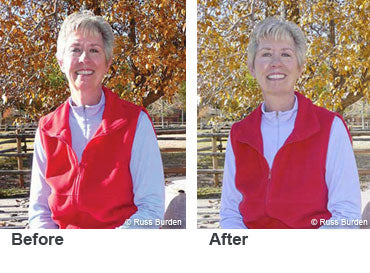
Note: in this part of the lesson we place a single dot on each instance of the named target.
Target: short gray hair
(278, 29)
(89, 24)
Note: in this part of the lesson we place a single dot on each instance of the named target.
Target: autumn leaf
(140, 72)
(337, 70)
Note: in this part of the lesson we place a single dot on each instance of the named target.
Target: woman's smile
(276, 76)
(85, 72)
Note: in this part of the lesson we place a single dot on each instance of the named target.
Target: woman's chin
(279, 91)
(85, 86)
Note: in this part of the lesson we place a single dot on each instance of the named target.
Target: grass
(14, 192)
(173, 160)
(205, 187)
(208, 192)
(9, 187)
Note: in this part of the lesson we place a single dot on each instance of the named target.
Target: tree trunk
(349, 100)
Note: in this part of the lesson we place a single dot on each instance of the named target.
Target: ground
(209, 217)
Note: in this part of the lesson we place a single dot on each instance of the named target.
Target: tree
(336, 73)
(163, 108)
(149, 55)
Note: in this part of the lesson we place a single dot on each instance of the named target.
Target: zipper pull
(269, 177)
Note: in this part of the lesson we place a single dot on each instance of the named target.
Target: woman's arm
(147, 177)
(342, 178)
(39, 214)
(231, 197)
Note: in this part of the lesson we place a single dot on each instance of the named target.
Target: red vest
(294, 190)
(97, 192)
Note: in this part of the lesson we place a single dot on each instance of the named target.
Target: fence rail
(19, 135)
(215, 151)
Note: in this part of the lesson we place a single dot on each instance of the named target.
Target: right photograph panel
(283, 115)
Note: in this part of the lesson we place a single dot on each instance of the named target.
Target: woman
(289, 164)
(96, 163)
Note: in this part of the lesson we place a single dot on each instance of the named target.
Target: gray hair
(279, 30)
(89, 24)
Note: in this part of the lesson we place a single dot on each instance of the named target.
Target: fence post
(19, 158)
(214, 157)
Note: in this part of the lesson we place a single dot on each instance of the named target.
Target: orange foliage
(149, 55)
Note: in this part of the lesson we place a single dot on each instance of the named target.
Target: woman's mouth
(84, 72)
(276, 76)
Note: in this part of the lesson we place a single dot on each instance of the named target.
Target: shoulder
(51, 116)
(339, 129)
(326, 118)
(251, 120)
(334, 117)
(312, 112)
(144, 125)
(323, 111)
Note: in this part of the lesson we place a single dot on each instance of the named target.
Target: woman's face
(276, 66)
(84, 62)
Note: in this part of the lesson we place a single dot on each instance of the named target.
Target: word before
(227, 239)
(18, 239)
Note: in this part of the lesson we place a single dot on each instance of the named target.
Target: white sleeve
(230, 216)
(342, 179)
(39, 214)
(147, 177)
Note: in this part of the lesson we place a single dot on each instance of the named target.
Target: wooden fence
(215, 150)
(21, 135)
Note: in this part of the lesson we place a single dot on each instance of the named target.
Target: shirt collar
(87, 110)
(283, 115)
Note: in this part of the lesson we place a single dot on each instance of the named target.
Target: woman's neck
(82, 98)
(279, 102)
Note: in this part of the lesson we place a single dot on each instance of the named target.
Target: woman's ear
(60, 62)
(109, 65)
(251, 69)
(302, 68)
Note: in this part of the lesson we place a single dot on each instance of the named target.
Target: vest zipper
(76, 185)
(272, 166)
(278, 133)
(268, 190)
(85, 125)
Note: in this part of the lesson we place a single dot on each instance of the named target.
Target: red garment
(294, 191)
(97, 192)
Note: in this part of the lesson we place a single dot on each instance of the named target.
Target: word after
(227, 239)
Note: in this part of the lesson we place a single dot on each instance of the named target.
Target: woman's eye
(75, 49)
(94, 50)
(266, 54)
(285, 55)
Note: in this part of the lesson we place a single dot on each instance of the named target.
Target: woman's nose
(83, 57)
(275, 61)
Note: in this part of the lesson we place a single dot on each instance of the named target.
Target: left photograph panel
(92, 115)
